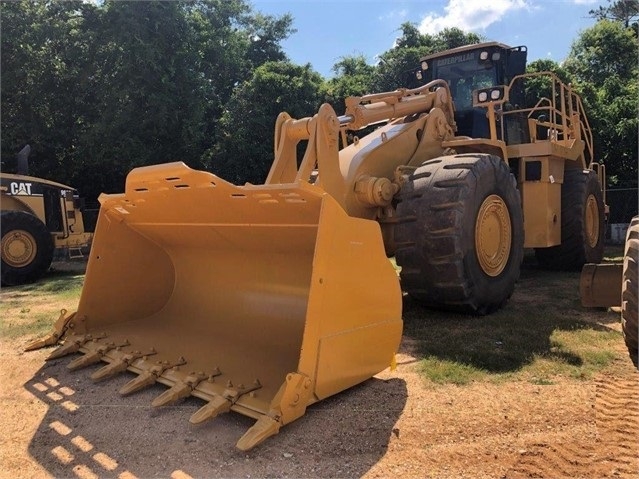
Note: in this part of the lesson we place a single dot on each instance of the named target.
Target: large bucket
(258, 299)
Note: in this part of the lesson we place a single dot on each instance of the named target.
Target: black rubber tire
(435, 236)
(575, 249)
(629, 291)
(14, 221)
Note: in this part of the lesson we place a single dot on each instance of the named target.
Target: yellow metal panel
(353, 324)
(541, 202)
(542, 214)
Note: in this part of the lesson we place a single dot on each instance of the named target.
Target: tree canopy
(98, 89)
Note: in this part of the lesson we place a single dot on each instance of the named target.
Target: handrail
(567, 119)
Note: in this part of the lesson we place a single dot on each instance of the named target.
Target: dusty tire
(27, 248)
(460, 236)
(582, 224)
(629, 290)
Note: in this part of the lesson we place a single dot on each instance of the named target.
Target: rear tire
(629, 290)
(582, 224)
(460, 235)
(27, 248)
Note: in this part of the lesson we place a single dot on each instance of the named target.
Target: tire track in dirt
(614, 452)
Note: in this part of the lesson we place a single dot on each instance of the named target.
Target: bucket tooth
(264, 428)
(119, 365)
(148, 378)
(60, 329)
(49, 340)
(71, 345)
(68, 347)
(223, 403)
(144, 380)
(94, 356)
(180, 389)
(215, 407)
(110, 369)
(86, 360)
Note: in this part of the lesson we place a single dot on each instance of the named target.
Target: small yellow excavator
(264, 299)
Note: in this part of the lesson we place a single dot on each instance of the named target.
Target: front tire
(27, 248)
(629, 291)
(582, 224)
(460, 235)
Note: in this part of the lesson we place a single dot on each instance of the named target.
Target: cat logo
(20, 189)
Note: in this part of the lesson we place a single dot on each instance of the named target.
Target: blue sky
(330, 29)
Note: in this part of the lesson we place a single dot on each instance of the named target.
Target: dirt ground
(57, 423)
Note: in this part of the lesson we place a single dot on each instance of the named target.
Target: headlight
(483, 56)
(489, 95)
(496, 56)
(418, 74)
(424, 66)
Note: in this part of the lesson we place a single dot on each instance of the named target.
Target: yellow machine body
(24, 193)
(250, 298)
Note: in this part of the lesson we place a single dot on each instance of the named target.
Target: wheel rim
(19, 248)
(493, 235)
(592, 221)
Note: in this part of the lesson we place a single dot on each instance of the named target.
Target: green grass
(31, 310)
(542, 333)
(36, 325)
(63, 286)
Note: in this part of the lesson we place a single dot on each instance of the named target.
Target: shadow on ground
(91, 431)
(544, 302)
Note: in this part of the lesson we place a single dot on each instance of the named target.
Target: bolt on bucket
(257, 299)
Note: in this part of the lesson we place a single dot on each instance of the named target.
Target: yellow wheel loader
(39, 220)
(264, 299)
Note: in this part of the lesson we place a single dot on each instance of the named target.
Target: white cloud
(394, 15)
(584, 2)
(469, 15)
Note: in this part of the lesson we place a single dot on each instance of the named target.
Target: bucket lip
(162, 177)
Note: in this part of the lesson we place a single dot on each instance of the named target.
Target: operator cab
(473, 67)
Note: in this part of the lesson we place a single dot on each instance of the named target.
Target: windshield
(463, 78)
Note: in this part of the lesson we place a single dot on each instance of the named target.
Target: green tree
(541, 87)
(46, 74)
(603, 62)
(245, 148)
(396, 66)
(148, 106)
(604, 50)
(231, 41)
(353, 77)
(624, 11)
(99, 89)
